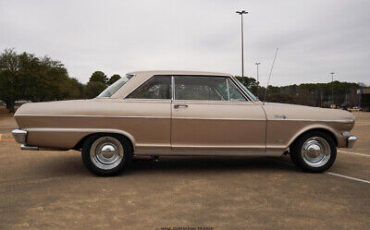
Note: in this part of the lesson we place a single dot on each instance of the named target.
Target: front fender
(339, 138)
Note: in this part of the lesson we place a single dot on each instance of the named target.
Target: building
(364, 98)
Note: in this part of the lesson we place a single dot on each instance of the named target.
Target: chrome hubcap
(316, 151)
(106, 152)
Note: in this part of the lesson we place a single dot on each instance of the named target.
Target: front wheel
(314, 152)
(106, 154)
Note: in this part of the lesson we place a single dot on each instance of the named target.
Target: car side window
(200, 88)
(234, 92)
(157, 87)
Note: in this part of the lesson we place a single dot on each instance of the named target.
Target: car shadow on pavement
(71, 165)
(213, 164)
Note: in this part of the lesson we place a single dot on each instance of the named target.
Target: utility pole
(332, 87)
(242, 38)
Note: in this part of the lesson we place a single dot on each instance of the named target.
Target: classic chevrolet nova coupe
(169, 113)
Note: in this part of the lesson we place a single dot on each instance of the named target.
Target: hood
(278, 111)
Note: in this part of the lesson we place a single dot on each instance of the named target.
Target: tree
(249, 82)
(281, 97)
(99, 76)
(113, 79)
(10, 81)
(27, 77)
(94, 88)
(97, 83)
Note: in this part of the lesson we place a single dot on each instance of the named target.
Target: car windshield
(254, 98)
(112, 89)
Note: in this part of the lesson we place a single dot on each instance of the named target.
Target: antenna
(272, 67)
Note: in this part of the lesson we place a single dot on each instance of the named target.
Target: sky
(314, 37)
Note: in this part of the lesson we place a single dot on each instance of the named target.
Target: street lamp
(332, 87)
(257, 64)
(241, 19)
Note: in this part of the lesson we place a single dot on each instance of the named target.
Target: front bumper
(351, 140)
(20, 135)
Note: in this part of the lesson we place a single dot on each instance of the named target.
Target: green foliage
(94, 88)
(97, 83)
(99, 76)
(24, 76)
(113, 79)
(314, 94)
(281, 97)
(249, 82)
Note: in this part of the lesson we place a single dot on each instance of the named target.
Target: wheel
(106, 154)
(314, 152)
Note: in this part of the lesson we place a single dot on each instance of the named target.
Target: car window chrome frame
(242, 90)
(247, 98)
(173, 88)
(150, 99)
(173, 93)
(228, 89)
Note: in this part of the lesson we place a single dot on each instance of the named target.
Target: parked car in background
(173, 113)
(355, 109)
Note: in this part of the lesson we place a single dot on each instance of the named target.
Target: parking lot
(53, 190)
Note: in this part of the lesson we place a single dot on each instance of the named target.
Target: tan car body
(155, 127)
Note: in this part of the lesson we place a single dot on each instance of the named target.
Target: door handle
(180, 105)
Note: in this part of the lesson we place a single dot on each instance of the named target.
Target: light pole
(241, 19)
(257, 64)
(332, 87)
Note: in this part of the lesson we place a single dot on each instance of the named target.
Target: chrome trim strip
(153, 146)
(98, 116)
(141, 117)
(36, 148)
(228, 89)
(222, 147)
(207, 152)
(218, 118)
(312, 120)
(146, 99)
(172, 88)
(82, 130)
(215, 102)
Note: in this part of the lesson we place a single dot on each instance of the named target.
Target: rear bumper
(351, 140)
(20, 135)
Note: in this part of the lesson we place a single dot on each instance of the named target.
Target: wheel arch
(324, 129)
(129, 137)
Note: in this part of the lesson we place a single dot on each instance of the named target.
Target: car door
(211, 113)
(148, 110)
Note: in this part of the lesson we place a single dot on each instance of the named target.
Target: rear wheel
(106, 154)
(314, 152)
